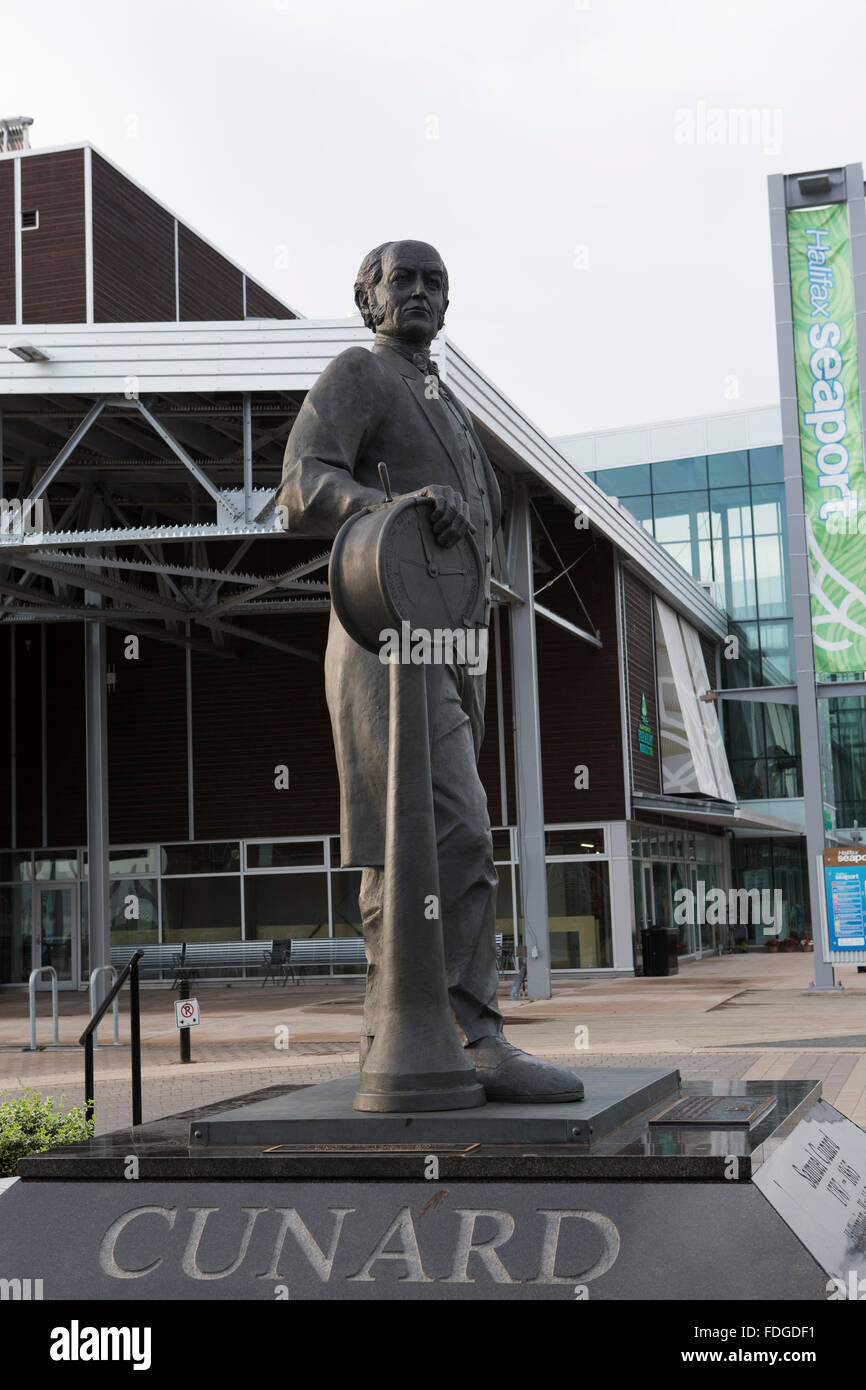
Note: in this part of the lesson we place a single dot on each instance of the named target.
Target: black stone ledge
(631, 1153)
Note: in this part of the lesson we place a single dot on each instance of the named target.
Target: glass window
(662, 895)
(16, 934)
(281, 906)
(771, 567)
(624, 482)
(574, 841)
(285, 855)
(16, 866)
(133, 861)
(501, 846)
(345, 888)
(729, 470)
(678, 475)
(579, 916)
(207, 909)
(216, 858)
(745, 729)
(641, 509)
(53, 864)
(505, 916)
(777, 650)
(767, 465)
(749, 778)
(745, 667)
(682, 526)
(134, 907)
(734, 550)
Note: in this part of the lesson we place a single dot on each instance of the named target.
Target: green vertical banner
(831, 435)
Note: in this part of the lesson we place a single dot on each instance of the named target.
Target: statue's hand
(451, 517)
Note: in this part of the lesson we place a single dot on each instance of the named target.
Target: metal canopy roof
(124, 429)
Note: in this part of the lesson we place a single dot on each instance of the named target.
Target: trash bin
(659, 945)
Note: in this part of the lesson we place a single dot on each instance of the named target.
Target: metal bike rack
(93, 978)
(34, 976)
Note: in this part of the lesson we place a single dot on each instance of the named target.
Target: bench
(161, 958)
(196, 956)
(311, 952)
(187, 960)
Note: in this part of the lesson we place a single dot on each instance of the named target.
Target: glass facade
(272, 890)
(666, 859)
(722, 518)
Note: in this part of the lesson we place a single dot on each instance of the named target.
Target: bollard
(183, 993)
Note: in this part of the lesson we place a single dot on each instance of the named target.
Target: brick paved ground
(733, 1017)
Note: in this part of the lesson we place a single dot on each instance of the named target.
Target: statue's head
(402, 289)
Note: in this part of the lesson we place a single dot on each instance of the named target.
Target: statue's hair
(369, 275)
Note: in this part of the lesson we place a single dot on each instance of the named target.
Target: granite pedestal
(290, 1194)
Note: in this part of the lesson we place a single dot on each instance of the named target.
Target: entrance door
(55, 932)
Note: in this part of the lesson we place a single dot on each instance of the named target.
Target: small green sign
(645, 736)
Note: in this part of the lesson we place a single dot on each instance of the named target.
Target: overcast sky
(602, 213)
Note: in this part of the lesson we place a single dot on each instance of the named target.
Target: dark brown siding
(5, 766)
(133, 251)
(29, 736)
(267, 709)
(641, 678)
(67, 757)
(52, 257)
(261, 305)
(210, 287)
(579, 692)
(7, 241)
(147, 792)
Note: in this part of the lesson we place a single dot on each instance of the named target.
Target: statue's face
(411, 292)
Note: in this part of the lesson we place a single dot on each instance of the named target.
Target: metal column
(527, 753)
(804, 656)
(248, 455)
(98, 910)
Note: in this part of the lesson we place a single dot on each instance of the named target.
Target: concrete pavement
(744, 1016)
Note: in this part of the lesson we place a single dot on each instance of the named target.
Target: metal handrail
(86, 1039)
(34, 976)
(97, 971)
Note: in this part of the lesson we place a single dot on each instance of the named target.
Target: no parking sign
(186, 1013)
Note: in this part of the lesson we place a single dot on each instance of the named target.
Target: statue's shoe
(508, 1074)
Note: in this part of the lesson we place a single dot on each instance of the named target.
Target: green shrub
(29, 1124)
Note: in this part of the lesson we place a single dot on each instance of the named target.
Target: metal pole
(527, 754)
(798, 557)
(55, 1010)
(135, 1037)
(34, 975)
(190, 747)
(500, 722)
(13, 738)
(43, 711)
(183, 993)
(94, 1002)
(97, 797)
(248, 455)
(88, 1076)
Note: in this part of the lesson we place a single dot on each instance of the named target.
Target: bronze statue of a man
(388, 405)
